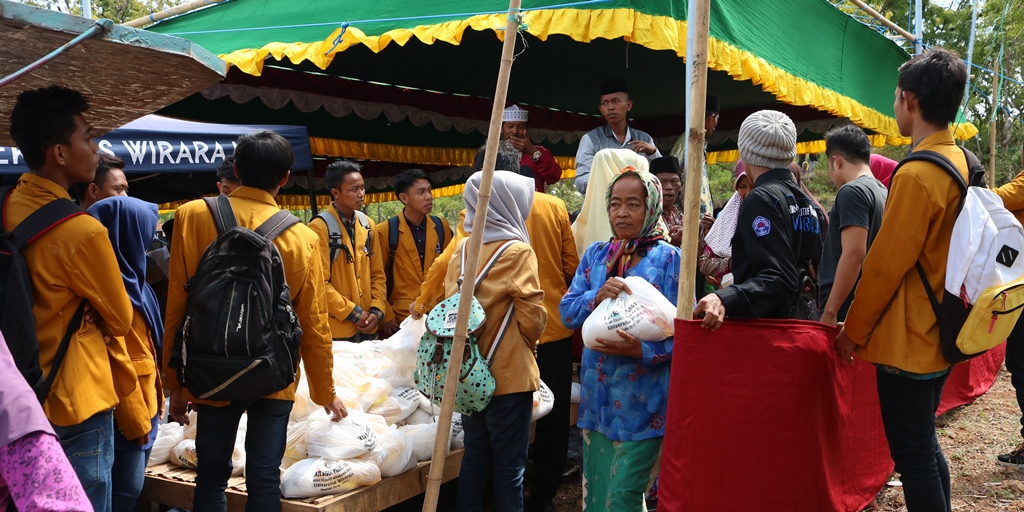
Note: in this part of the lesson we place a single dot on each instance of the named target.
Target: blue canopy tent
(170, 159)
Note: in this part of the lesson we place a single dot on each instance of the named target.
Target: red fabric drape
(971, 379)
(762, 416)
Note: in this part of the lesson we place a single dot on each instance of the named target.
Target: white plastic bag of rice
(345, 439)
(168, 436)
(319, 477)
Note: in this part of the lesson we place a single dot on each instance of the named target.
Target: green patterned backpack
(476, 385)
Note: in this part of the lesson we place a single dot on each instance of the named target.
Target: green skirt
(616, 474)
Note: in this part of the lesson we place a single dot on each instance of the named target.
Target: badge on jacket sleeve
(762, 226)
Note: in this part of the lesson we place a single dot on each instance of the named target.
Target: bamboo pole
(885, 21)
(992, 131)
(472, 249)
(694, 161)
(149, 19)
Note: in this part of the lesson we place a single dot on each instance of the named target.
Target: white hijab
(511, 199)
(592, 224)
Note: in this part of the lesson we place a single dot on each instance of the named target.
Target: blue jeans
(89, 447)
(496, 438)
(129, 473)
(908, 414)
(264, 448)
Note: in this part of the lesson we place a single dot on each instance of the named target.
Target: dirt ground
(971, 436)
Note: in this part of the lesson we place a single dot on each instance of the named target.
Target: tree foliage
(119, 11)
(948, 24)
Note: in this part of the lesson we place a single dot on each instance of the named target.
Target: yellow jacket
(134, 413)
(1012, 195)
(555, 248)
(70, 263)
(512, 280)
(359, 282)
(408, 270)
(891, 318)
(194, 231)
(552, 241)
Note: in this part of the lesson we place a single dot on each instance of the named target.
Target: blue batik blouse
(623, 398)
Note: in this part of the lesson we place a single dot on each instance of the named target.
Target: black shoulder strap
(76, 321)
(439, 227)
(277, 223)
(37, 223)
(389, 274)
(223, 215)
(950, 168)
(943, 163)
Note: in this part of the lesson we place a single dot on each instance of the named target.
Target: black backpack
(393, 247)
(17, 321)
(239, 339)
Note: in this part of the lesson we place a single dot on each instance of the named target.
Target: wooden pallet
(173, 486)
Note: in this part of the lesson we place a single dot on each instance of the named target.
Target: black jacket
(778, 232)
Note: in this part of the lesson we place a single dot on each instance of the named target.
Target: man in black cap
(667, 170)
(615, 106)
(711, 109)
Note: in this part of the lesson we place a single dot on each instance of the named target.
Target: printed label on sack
(409, 394)
(367, 437)
(332, 475)
(625, 315)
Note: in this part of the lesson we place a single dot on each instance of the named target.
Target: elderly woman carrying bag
(625, 384)
(498, 436)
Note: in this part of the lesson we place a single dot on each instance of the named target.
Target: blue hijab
(131, 224)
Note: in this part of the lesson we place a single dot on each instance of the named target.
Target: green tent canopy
(410, 82)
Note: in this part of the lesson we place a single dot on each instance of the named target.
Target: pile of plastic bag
(390, 427)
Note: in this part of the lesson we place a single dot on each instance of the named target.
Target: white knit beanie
(767, 139)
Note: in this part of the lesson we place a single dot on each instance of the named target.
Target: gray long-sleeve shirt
(604, 138)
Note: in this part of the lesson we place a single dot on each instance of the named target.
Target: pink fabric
(20, 412)
(38, 477)
(882, 168)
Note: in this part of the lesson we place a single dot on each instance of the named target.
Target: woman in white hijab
(498, 437)
(592, 224)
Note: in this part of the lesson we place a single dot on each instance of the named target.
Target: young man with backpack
(352, 261)
(409, 243)
(228, 253)
(855, 219)
(891, 322)
(778, 237)
(79, 369)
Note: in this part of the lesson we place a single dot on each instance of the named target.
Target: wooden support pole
(992, 130)
(885, 21)
(472, 249)
(694, 161)
(150, 19)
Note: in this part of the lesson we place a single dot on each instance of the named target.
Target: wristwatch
(536, 155)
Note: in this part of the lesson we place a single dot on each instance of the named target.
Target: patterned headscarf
(621, 251)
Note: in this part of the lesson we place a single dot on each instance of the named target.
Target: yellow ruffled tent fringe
(583, 25)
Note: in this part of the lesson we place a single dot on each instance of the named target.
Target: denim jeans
(264, 448)
(496, 438)
(89, 447)
(1015, 365)
(908, 414)
(551, 439)
(128, 474)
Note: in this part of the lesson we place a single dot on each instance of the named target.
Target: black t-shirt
(858, 203)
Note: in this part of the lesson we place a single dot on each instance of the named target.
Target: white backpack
(984, 289)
